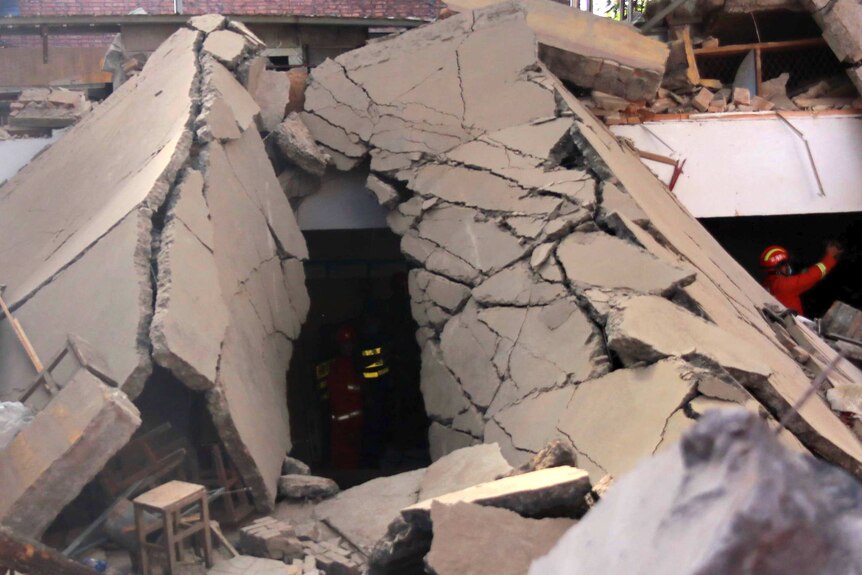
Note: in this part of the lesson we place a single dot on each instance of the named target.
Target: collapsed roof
(561, 290)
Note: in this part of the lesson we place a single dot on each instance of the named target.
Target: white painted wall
(342, 203)
(758, 166)
(15, 154)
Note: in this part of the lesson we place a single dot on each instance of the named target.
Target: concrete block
(48, 463)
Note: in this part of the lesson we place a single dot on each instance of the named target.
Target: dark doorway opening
(805, 236)
(356, 409)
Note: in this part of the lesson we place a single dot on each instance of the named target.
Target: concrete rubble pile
(42, 108)
(388, 525)
(562, 292)
(569, 309)
(156, 230)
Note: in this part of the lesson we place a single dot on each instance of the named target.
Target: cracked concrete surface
(598, 310)
(170, 241)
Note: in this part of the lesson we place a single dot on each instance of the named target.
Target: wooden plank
(22, 337)
(731, 49)
(27, 556)
(692, 73)
(656, 158)
(758, 70)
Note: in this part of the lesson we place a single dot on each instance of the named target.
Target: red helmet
(773, 256)
(345, 334)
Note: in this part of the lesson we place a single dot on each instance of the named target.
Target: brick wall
(425, 9)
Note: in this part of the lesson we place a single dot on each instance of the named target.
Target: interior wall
(806, 237)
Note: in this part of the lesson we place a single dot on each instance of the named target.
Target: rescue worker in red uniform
(345, 401)
(786, 286)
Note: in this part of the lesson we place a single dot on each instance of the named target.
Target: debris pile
(573, 317)
(561, 291)
(46, 109)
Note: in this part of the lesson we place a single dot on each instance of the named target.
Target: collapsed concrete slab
(727, 499)
(116, 168)
(591, 52)
(62, 449)
(177, 246)
(581, 265)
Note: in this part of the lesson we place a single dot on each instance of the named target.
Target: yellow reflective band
(768, 254)
(378, 363)
(822, 269)
(375, 374)
(373, 351)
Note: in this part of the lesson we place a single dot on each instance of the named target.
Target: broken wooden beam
(28, 556)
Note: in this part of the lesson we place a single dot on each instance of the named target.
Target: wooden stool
(170, 501)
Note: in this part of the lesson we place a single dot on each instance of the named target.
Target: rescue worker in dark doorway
(345, 400)
(786, 286)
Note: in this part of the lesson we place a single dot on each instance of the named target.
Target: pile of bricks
(300, 549)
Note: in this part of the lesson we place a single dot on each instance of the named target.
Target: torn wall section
(534, 237)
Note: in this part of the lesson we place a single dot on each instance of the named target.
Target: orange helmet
(345, 334)
(773, 256)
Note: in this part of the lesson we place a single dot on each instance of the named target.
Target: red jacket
(787, 289)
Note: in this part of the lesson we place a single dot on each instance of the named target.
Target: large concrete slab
(563, 236)
(591, 51)
(123, 157)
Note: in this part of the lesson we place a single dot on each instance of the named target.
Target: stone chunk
(387, 195)
(49, 461)
(474, 540)
(741, 96)
(207, 23)
(555, 454)
(712, 504)
(293, 466)
(225, 46)
(702, 99)
(272, 94)
(298, 146)
(648, 328)
(219, 81)
(605, 261)
(463, 468)
(270, 538)
(306, 487)
(559, 490)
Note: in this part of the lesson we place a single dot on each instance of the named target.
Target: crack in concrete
(579, 452)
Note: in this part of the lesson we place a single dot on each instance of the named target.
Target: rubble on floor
(728, 498)
(515, 189)
(51, 108)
